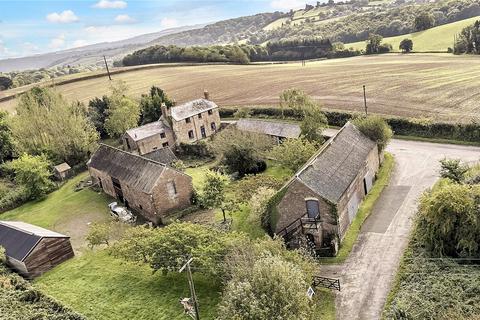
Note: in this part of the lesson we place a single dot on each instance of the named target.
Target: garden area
(440, 271)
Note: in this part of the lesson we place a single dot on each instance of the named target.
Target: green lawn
(61, 206)
(102, 287)
(383, 178)
(437, 39)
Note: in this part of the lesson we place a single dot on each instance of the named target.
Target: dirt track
(438, 86)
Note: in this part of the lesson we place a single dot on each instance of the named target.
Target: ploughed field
(437, 86)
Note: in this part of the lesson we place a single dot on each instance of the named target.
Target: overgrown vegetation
(20, 300)
(439, 274)
(469, 40)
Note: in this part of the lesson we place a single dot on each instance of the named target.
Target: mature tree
(166, 249)
(123, 113)
(225, 139)
(266, 281)
(424, 21)
(6, 142)
(5, 83)
(46, 124)
(376, 129)
(244, 160)
(296, 100)
(373, 43)
(97, 113)
(469, 40)
(213, 192)
(452, 169)
(313, 124)
(406, 45)
(98, 234)
(150, 105)
(32, 173)
(293, 153)
(449, 220)
(237, 55)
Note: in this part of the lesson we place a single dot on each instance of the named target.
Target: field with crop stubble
(437, 86)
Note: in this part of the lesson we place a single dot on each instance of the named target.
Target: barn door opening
(368, 182)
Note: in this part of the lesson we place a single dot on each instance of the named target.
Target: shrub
(3, 255)
(242, 113)
(293, 153)
(33, 174)
(449, 220)
(453, 170)
(258, 206)
(98, 234)
(13, 198)
(376, 129)
(196, 150)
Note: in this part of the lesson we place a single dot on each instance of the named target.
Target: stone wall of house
(138, 201)
(356, 189)
(149, 144)
(181, 128)
(173, 192)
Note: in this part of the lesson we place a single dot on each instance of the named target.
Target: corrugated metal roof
(136, 171)
(272, 128)
(19, 238)
(332, 170)
(192, 108)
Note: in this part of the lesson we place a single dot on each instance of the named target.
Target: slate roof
(331, 171)
(164, 155)
(20, 238)
(147, 130)
(62, 167)
(192, 108)
(277, 129)
(136, 171)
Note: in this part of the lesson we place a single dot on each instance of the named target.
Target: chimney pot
(206, 94)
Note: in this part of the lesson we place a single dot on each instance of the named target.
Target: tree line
(309, 48)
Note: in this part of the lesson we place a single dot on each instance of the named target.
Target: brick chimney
(206, 94)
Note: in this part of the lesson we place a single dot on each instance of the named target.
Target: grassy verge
(437, 140)
(383, 178)
(325, 300)
(101, 287)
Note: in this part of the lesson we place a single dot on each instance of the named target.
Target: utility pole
(106, 65)
(195, 316)
(365, 100)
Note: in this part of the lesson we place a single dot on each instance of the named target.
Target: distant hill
(87, 55)
(437, 39)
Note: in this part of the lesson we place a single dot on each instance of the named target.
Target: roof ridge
(165, 166)
(5, 223)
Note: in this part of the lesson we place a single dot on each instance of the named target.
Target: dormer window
(210, 112)
(199, 116)
(187, 120)
(313, 208)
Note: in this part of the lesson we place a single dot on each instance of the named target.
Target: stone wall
(181, 128)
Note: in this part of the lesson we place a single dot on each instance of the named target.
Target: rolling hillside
(438, 86)
(437, 39)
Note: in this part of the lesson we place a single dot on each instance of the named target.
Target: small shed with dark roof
(164, 155)
(148, 187)
(279, 130)
(32, 250)
(323, 197)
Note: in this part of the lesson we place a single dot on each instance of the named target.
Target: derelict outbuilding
(32, 250)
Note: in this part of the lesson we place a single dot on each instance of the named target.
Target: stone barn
(32, 250)
(147, 187)
(319, 203)
(277, 130)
